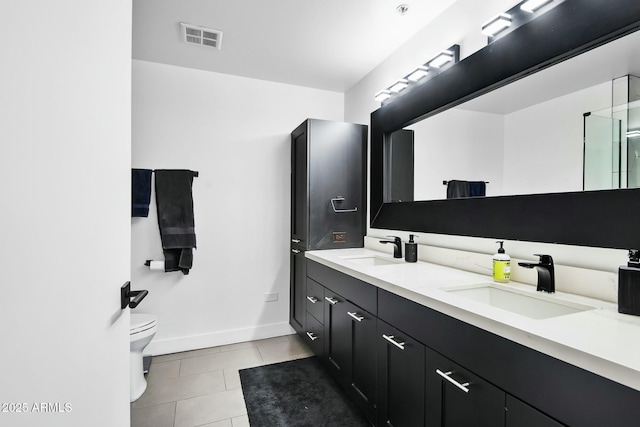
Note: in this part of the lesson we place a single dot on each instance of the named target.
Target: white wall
(445, 150)
(461, 24)
(65, 85)
(545, 141)
(235, 132)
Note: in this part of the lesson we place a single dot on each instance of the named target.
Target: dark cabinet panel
(299, 188)
(398, 168)
(350, 346)
(338, 331)
(315, 300)
(328, 184)
(457, 397)
(401, 379)
(314, 335)
(519, 414)
(298, 280)
(362, 293)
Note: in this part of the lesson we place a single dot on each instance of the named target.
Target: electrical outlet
(270, 297)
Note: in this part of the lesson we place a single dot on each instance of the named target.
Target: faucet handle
(545, 259)
(396, 238)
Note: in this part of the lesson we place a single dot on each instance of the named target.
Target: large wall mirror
(536, 117)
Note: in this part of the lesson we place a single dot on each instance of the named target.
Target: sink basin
(534, 306)
(371, 260)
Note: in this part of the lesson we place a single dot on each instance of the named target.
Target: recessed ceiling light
(402, 9)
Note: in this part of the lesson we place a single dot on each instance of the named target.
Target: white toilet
(143, 328)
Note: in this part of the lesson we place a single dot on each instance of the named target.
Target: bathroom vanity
(419, 345)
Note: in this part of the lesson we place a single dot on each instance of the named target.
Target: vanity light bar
(533, 5)
(383, 95)
(399, 86)
(497, 24)
(633, 134)
(440, 63)
(418, 74)
(444, 57)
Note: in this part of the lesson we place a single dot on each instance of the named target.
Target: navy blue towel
(477, 188)
(140, 192)
(174, 201)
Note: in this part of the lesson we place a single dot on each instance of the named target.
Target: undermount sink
(534, 306)
(372, 260)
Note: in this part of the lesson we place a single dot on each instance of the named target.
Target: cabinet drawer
(314, 335)
(315, 300)
(360, 293)
(458, 397)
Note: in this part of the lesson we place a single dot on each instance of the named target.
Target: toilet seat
(141, 323)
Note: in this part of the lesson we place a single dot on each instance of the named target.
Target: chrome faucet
(397, 246)
(546, 275)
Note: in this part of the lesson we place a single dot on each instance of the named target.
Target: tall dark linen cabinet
(328, 198)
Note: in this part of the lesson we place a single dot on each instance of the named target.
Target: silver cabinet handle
(295, 251)
(355, 316)
(312, 336)
(340, 199)
(295, 240)
(447, 376)
(332, 301)
(389, 338)
(312, 299)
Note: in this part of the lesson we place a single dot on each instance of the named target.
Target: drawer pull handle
(295, 251)
(312, 336)
(355, 316)
(447, 376)
(332, 301)
(389, 338)
(313, 299)
(295, 240)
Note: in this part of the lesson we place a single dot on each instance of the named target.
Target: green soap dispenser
(501, 265)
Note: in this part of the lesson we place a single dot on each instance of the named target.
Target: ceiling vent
(201, 36)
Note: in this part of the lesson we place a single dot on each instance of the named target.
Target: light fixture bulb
(533, 5)
(444, 57)
(633, 134)
(497, 24)
(418, 73)
(382, 96)
(399, 86)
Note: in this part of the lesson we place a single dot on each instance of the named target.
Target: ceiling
(326, 44)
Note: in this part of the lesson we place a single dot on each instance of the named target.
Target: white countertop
(599, 340)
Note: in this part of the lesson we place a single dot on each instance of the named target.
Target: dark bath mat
(299, 393)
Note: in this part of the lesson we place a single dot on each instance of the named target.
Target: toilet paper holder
(131, 298)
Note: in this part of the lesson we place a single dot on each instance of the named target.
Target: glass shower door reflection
(602, 153)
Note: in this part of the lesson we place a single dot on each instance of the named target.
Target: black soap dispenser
(629, 285)
(411, 249)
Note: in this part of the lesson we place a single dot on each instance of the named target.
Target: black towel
(457, 189)
(175, 218)
(140, 192)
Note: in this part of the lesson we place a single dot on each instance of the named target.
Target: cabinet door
(338, 332)
(315, 299)
(362, 370)
(314, 336)
(337, 183)
(298, 279)
(299, 186)
(458, 398)
(519, 414)
(401, 370)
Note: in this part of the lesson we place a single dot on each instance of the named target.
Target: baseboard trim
(214, 339)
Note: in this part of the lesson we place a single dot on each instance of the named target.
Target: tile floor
(202, 387)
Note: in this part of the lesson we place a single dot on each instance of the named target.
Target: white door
(65, 82)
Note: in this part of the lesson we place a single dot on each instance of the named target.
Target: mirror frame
(606, 218)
